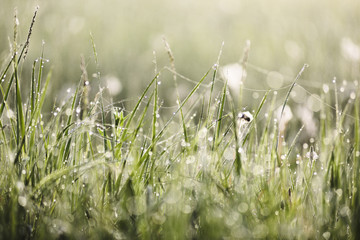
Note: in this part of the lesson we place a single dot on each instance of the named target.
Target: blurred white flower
(234, 74)
(113, 85)
(350, 50)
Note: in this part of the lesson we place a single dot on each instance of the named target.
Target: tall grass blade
(285, 102)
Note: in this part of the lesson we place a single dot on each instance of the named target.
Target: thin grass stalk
(355, 195)
(237, 161)
(160, 133)
(153, 132)
(216, 66)
(263, 100)
(219, 117)
(133, 112)
(14, 59)
(243, 64)
(284, 104)
(172, 62)
(133, 141)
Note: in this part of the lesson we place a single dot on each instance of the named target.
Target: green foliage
(95, 170)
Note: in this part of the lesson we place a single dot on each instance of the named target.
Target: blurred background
(283, 35)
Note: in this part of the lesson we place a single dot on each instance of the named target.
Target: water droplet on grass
(202, 133)
(22, 201)
(186, 209)
(190, 160)
(326, 235)
(352, 95)
(339, 192)
(243, 207)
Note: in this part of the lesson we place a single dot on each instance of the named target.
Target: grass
(92, 169)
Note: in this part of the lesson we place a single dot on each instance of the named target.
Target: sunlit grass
(202, 169)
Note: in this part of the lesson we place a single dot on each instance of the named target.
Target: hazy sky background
(283, 34)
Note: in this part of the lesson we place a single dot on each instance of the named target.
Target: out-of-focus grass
(283, 34)
(92, 168)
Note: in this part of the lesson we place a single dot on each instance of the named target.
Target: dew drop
(255, 95)
(190, 160)
(326, 235)
(22, 201)
(352, 95)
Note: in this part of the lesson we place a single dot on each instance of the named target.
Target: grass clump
(92, 169)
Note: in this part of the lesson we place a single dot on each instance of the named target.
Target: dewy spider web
(302, 83)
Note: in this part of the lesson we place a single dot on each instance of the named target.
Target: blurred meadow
(283, 34)
(216, 119)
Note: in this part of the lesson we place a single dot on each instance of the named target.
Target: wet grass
(94, 169)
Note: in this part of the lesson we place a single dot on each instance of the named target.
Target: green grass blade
(286, 100)
(220, 116)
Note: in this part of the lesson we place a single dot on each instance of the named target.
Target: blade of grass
(160, 133)
(129, 120)
(172, 62)
(216, 66)
(285, 102)
(219, 117)
(255, 117)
